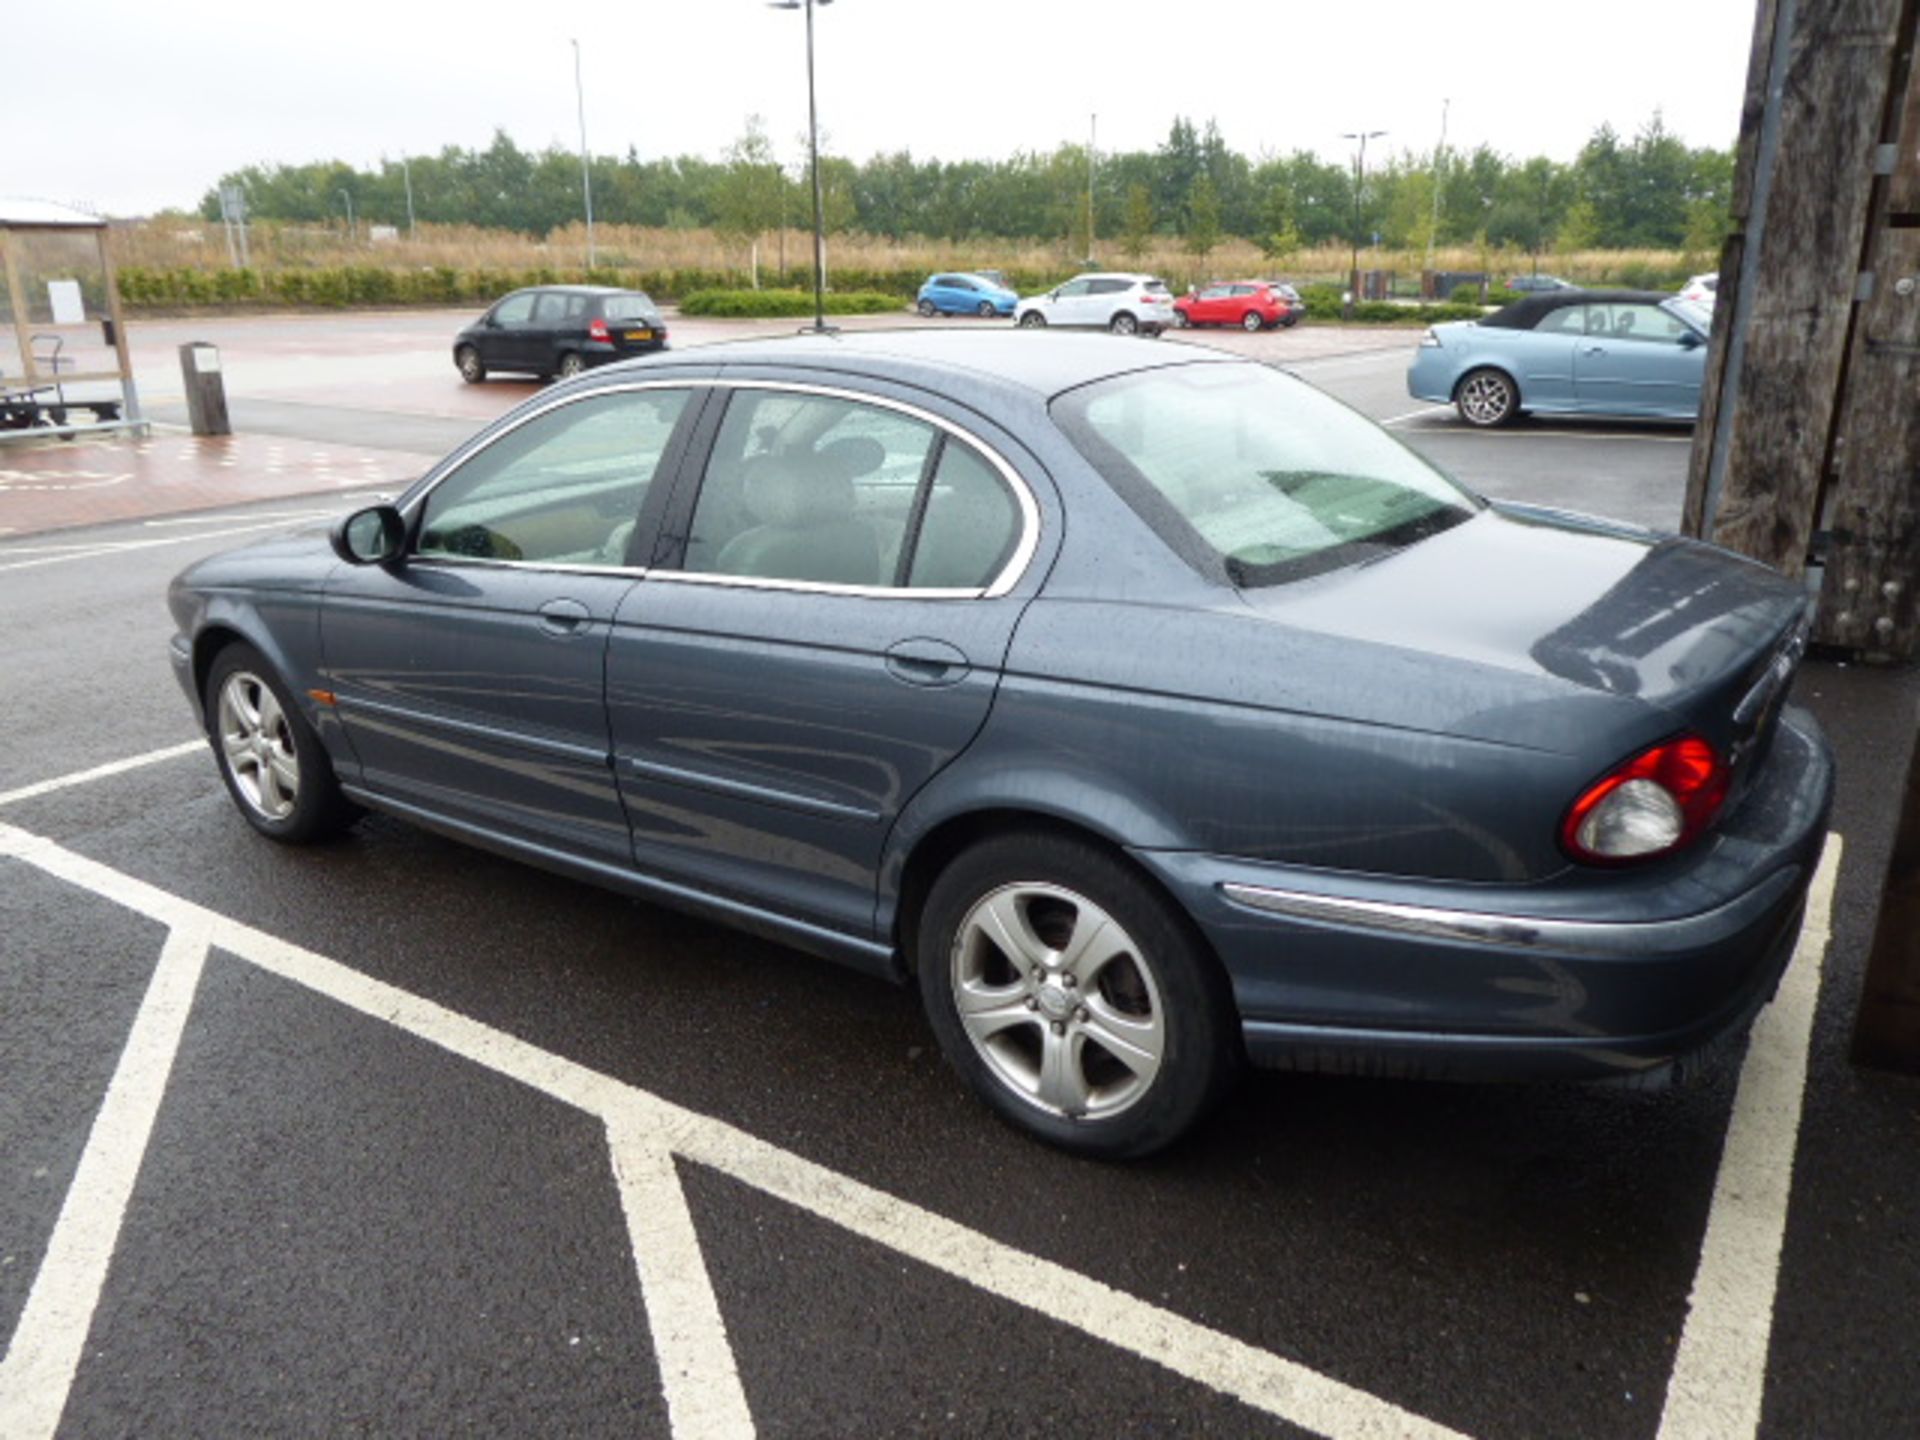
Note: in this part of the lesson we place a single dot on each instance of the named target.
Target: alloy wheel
(257, 747)
(1058, 1000)
(1486, 398)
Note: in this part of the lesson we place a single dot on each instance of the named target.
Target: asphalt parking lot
(393, 1137)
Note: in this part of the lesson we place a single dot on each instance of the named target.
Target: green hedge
(762, 304)
(1323, 303)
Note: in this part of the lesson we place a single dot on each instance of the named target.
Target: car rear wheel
(926, 309)
(274, 766)
(1180, 320)
(1124, 324)
(1251, 321)
(984, 309)
(1073, 997)
(571, 364)
(1033, 320)
(1487, 398)
(468, 359)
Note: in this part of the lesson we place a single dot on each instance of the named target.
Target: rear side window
(564, 488)
(969, 524)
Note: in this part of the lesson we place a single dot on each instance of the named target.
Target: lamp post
(406, 175)
(1359, 179)
(349, 199)
(1439, 159)
(586, 174)
(1093, 142)
(820, 326)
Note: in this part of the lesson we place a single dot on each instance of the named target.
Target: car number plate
(639, 334)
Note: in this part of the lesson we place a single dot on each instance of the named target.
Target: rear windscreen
(629, 307)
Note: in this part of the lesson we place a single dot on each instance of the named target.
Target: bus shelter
(64, 364)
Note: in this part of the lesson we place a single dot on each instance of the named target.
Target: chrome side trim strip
(745, 790)
(1513, 932)
(351, 705)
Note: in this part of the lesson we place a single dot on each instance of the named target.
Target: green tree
(1203, 219)
(1579, 228)
(1139, 222)
(747, 203)
(1279, 235)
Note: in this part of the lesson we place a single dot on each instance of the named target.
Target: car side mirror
(1053, 294)
(373, 536)
(1691, 340)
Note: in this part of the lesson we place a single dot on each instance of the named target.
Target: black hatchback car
(559, 330)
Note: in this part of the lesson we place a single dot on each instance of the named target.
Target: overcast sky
(126, 106)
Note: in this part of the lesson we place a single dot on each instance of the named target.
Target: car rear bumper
(1586, 975)
(1431, 375)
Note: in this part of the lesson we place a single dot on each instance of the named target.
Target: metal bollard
(206, 389)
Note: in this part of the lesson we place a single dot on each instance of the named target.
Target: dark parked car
(1152, 709)
(559, 330)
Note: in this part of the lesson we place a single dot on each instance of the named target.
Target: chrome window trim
(1010, 574)
(482, 562)
(1023, 497)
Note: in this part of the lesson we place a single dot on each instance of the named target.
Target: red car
(1250, 304)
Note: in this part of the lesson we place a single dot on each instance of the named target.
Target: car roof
(1043, 365)
(1525, 313)
(579, 290)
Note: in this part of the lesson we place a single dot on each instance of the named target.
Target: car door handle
(927, 662)
(1596, 350)
(564, 617)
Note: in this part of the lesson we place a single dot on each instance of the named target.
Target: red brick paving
(56, 485)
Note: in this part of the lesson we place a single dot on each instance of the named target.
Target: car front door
(1070, 304)
(1210, 305)
(1638, 359)
(501, 340)
(828, 635)
(468, 676)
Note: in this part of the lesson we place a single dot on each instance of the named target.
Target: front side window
(1648, 323)
(514, 310)
(564, 488)
(1246, 469)
(1072, 288)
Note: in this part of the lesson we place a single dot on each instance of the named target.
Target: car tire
(468, 360)
(1111, 1031)
(1124, 324)
(571, 364)
(1033, 320)
(1487, 398)
(274, 766)
(1289, 322)
(1251, 322)
(927, 309)
(1180, 320)
(984, 310)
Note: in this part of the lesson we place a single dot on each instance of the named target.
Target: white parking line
(38, 1371)
(101, 772)
(107, 548)
(1720, 1367)
(1416, 414)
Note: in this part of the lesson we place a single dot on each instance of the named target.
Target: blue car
(956, 294)
(1149, 708)
(1634, 353)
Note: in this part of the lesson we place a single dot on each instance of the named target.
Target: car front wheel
(1124, 324)
(984, 309)
(471, 370)
(1487, 398)
(274, 766)
(1180, 320)
(1073, 997)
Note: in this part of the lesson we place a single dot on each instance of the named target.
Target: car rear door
(468, 676)
(542, 335)
(823, 632)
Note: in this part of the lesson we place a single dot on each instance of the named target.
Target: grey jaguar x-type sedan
(1150, 709)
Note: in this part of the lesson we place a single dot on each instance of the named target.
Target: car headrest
(793, 491)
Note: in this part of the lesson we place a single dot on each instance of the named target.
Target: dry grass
(464, 247)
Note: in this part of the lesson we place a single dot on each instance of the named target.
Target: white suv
(1124, 304)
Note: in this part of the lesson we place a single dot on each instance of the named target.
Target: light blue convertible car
(1569, 352)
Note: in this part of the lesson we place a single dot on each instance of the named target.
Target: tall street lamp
(406, 175)
(820, 325)
(1359, 179)
(586, 174)
(349, 199)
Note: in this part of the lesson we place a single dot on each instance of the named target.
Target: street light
(406, 175)
(820, 326)
(349, 199)
(1359, 179)
(586, 174)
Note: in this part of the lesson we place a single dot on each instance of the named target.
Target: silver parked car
(1124, 304)
(1569, 352)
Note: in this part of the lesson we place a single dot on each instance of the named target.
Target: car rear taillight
(1648, 805)
(597, 330)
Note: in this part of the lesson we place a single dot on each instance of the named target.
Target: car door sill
(861, 954)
